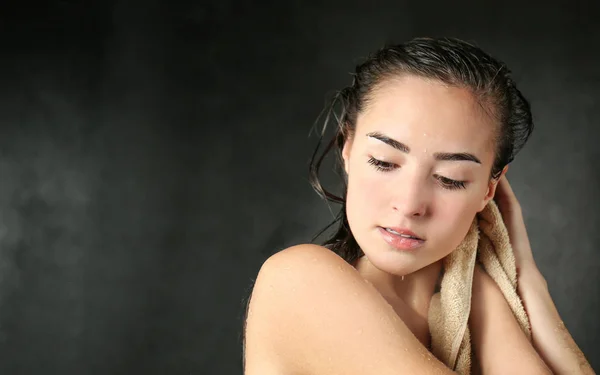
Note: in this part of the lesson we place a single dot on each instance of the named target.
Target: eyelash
(446, 183)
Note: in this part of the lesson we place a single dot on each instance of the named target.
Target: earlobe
(486, 199)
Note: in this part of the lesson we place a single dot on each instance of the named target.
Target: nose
(411, 196)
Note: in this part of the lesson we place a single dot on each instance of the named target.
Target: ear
(491, 191)
(346, 153)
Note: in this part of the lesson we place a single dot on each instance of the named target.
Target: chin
(393, 261)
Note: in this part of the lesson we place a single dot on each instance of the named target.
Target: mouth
(403, 233)
(401, 239)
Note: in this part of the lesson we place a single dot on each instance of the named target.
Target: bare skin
(413, 308)
(551, 339)
(313, 313)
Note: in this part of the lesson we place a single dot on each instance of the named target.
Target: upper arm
(499, 344)
(311, 312)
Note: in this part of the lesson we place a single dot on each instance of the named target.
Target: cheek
(455, 217)
(365, 196)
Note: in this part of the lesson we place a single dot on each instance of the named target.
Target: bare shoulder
(311, 313)
(305, 260)
(302, 253)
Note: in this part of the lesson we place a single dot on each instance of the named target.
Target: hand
(513, 219)
(551, 340)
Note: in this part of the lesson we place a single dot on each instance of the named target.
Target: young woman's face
(432, 182)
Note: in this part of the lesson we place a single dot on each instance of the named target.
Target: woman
(425, 135)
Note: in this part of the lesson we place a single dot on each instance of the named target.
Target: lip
(406, 232)
(401, 243)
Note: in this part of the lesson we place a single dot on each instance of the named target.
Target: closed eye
(380, 165)
(445, 182)
(451, 184)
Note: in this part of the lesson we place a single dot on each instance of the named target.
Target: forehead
(414, 110)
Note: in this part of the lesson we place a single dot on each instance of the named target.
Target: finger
(504, 185)
(506, 199)
(500, 194)
(506, 191)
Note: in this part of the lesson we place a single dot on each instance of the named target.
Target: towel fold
(487, 242)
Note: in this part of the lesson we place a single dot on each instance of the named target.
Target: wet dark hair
(448, 60)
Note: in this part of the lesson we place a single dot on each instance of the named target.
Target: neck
(414, 290)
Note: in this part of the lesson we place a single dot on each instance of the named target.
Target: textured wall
(154, 154)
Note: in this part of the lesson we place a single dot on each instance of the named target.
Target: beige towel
(488, 242)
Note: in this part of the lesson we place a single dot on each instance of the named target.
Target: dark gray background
(155, 153)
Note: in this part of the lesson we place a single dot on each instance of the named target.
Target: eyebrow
(442, 156)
